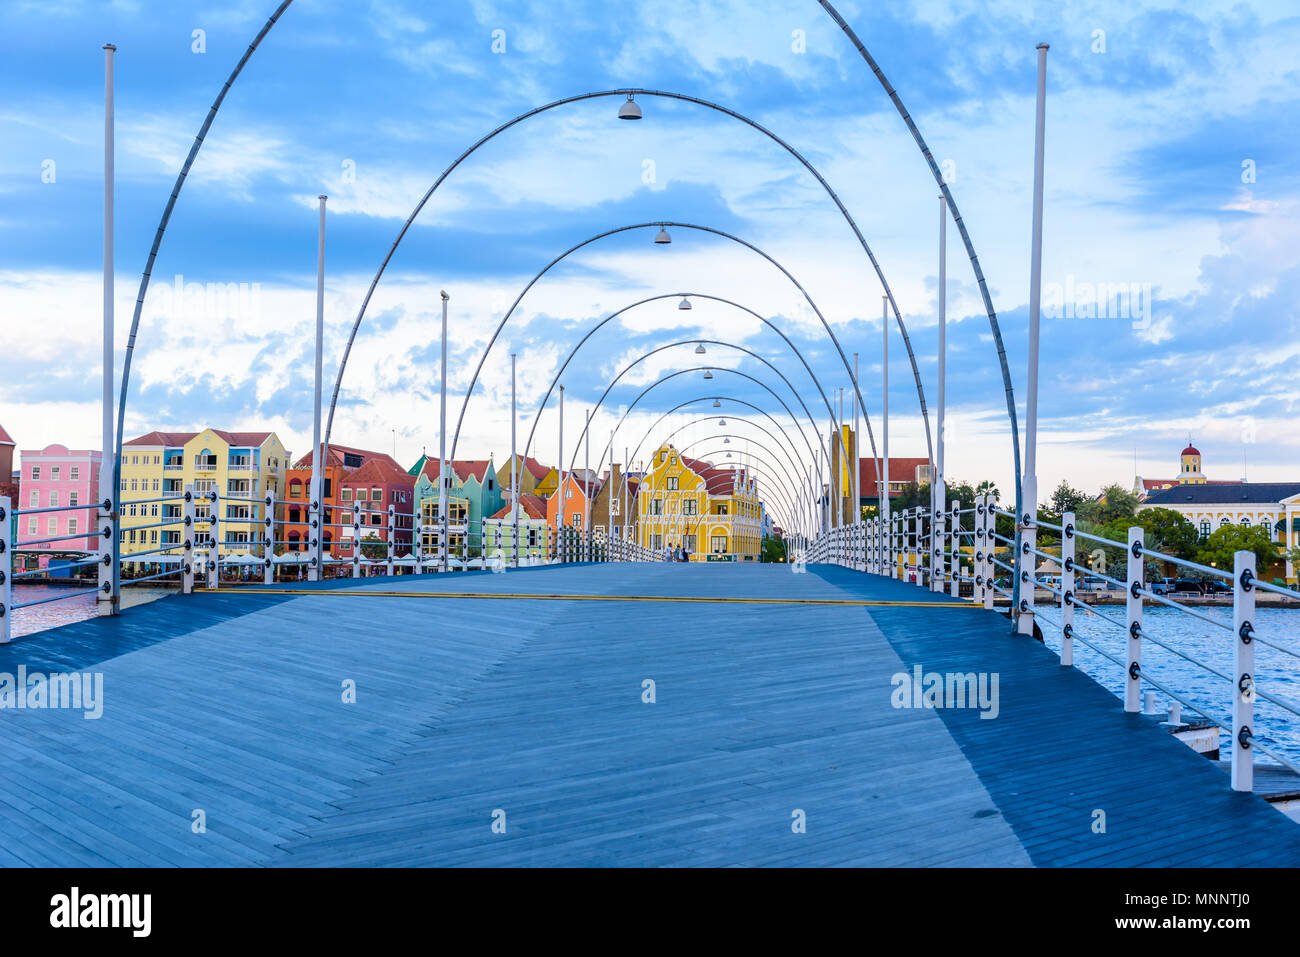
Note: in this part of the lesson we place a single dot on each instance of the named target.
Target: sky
(1170, 182)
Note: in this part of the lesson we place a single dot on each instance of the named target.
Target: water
(28, 621)
(1276, 672)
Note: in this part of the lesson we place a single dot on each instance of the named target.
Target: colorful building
(368, 492)
(240, 466)
(57, 477)
(340, 461)
(579, 488)
(613, 510)
(474, 495)
(499, 530)
(531, 474)
(714, 513)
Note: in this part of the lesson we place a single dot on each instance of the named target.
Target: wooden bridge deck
(232, 704)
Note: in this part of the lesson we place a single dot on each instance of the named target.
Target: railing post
(953, 544)
(938, 541)
(356, 540)
(268, 542)
(1067, 589)
(316, 523)
(1027, 560)
(214, 540)
(1133, 602)
(106, 602)
(6, 569)
(1243, 670)
(987, 525)
(392, 540)
(187, 546)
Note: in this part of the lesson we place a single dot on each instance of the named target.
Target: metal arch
(635, 362)
(768, 475)
(892, 93)
(735, 372)
(702, 398)
(784, 451)
(614, 315)
(916, 373)
(621, 229)
(768, 471)
(740, 418)
(147, 275)
(773, 464)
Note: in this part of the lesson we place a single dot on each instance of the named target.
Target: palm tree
(987, 487)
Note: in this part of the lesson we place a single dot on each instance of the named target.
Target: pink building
(54, 477)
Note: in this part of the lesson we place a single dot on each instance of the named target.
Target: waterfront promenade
(772, 705)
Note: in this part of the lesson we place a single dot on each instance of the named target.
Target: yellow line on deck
(523, 596)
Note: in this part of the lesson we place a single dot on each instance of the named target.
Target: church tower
(1190, 471)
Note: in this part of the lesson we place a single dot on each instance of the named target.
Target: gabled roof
(535, 468)
(1227, 493)
(901, 469)
(378, 470)
(168, 439)
(5, 437)
(462, 469)
(530, 506)
(334, 456)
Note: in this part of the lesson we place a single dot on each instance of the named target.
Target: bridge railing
(913, 546)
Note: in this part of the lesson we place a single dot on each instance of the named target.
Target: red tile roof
(378, 470)
(5, 438)
(335, 453)
(530, 505)
(900, 470)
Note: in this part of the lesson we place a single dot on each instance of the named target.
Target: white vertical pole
(106, 601)
(938, 486)
(442, 445)
(1243, 670)
(1133, 604)
(859, 538)
(356, 539)
(559, 489)
(514, 467)
(586, 497)
(1067, 589)
(316, 569)
(988, 524)
(883, 477)
(1026, 521)
(214, 540)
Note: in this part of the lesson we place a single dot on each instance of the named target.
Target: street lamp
(662, 237)
(722, 421)
(717, 404)
(708, 374)
(629, 110)
(686, 304)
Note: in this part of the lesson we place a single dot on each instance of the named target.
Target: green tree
(773, 550)
(1066, 499)
(1115, 503)
(373, 547)
(1219, 547)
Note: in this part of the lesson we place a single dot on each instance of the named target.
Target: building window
(688, 506)
(74, 498)
(54, 472)
(52, 527)
(1205, 529)
(690, 543)
(31, 526)
(718, 544)
(135, 485)
(656, 542)
(577, 520)
(656, 506)
(1245, 521)
(347, 495)
(54, 499)
(36, 472)
(672, 483)
(34, 500)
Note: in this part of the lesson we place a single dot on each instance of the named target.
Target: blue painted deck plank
(470, 704)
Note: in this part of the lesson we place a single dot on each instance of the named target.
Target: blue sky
(370, 102)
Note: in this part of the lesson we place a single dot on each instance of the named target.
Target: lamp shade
(700, 350)
(684, 304)
(708, 374)
(629, 110)
(662, 237)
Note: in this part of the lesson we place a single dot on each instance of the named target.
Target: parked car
(1216, 587)
(1189, 586)
(1162, 586)
(1093, 583)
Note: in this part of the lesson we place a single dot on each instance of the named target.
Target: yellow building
(241, 466)
(715, 513)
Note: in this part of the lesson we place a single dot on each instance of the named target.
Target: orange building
(341, 461)
(577, 489)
